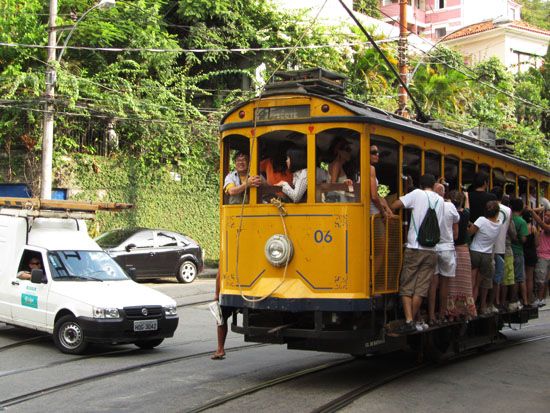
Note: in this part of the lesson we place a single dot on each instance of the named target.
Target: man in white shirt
(446, 258)
(418, 261)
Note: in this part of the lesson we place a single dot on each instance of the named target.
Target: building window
(440, 4)
(441, 32)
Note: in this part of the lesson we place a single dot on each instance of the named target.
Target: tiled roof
(490, 25)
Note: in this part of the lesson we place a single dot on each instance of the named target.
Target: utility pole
(47, 136)
(402, 57)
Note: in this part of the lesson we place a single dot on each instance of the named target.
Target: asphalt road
(179, 376)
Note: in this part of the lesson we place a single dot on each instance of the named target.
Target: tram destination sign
(283, 113)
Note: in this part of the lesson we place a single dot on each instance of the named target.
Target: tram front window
(236, 164)
(337, 172)
(272, 165)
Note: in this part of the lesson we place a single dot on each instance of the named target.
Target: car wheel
(187, 272)
(68, 335)
(149, 344)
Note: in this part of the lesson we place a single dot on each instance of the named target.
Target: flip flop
(217, 357)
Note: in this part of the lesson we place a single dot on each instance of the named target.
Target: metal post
(47, 137)
(402, 53)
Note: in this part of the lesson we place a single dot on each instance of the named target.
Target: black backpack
(428, 234)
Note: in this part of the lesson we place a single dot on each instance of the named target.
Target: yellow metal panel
(328, 252)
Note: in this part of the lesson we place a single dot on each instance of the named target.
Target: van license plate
(145, 325)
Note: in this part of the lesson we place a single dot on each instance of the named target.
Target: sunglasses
(374, 152)
(346, 148)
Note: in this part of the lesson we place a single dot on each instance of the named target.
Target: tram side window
(522, 187)
(337, 172)
(534, 200)
(510, 185)
(451, 173)
(498, 178)
(387, 167)
(433, 164)
(468, 174)
(236, 160)
(272, 165)
(412, 157)
(543, 191)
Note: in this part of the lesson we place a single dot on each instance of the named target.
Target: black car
(145, 253)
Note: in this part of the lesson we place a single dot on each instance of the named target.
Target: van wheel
(149, 344)
(187, 272)
(68, 335)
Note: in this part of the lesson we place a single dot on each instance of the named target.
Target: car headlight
(106, 312)
(170, 310)
(278, 250)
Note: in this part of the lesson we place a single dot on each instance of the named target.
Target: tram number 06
(320, 236)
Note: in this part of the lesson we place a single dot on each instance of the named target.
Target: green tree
(536, 12)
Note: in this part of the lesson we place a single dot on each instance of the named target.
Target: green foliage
(368, 7)
(536, 12)
(189, 206)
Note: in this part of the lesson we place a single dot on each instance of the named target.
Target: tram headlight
(278, 250)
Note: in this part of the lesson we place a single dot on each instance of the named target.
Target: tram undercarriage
(365, 332)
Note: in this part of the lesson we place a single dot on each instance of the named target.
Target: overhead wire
(476, 78)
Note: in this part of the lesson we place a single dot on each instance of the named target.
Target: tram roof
(371, 114)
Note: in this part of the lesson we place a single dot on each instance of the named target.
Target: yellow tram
(323, 273)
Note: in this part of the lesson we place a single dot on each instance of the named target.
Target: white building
(516, 44)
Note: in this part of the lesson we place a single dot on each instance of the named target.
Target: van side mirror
(130, 247)
(38, 276)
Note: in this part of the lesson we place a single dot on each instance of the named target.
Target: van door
(28, 300)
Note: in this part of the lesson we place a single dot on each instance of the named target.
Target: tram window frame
(388, 149)
(465, 182)
(452, 180)
(327, 192)
(282, 138)
(231, 145)
(410, 181)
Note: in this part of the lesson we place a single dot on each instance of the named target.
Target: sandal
(217, 356)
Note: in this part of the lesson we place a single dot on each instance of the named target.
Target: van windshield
(84, 265)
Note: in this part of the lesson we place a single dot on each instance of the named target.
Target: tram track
(111, 373)
(360, 391)
(343, 400)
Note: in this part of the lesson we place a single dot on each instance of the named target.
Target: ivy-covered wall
(177, 200)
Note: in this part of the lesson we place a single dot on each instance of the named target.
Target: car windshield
(84, 265)
(114, 238)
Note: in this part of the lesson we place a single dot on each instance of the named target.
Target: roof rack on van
(52, 208)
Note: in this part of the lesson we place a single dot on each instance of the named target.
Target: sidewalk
(208, 273)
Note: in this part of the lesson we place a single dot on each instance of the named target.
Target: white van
(55, 278)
